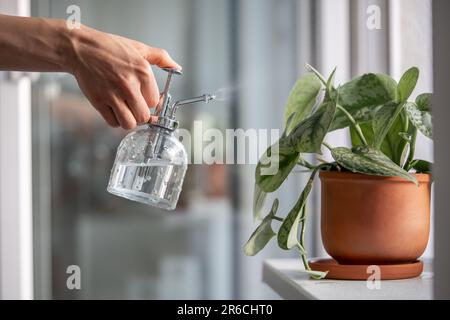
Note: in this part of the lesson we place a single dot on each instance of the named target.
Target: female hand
(115, 75)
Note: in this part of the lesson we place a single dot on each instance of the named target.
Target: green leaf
(287, 235)
(361, 96)
(330, 81)
(424, 102)
(330, 91)
(316, 275)
(421, 166)
(288, 123)
(407, 84)
(370, 161)
(301, 100)
(259, 197)
(393, 145)
(383, 120)
(367, 131)
(420, 119)
(308, 135)
(262, 235)
(275, 165)
(319, 76)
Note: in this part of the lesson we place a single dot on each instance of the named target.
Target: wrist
(67, 46)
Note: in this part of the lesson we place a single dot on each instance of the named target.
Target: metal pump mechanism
(166, 110)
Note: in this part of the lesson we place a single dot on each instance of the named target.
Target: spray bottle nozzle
(204, 98)
(167, 111)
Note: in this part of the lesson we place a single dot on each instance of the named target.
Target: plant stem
(317, 73)
(327, 145)
(322, 161)
(305, 171)
(277, 218)
(355, 124)
(405, 120)
(302, 162)
(304, 216)
(302, 238)
(412, 150)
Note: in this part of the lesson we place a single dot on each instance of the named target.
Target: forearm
(112, 71)
(34, 44)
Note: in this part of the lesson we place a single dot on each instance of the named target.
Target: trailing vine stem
(302, 239)
(303, 218)
(412, 150)
(277, 218)
(354, 123)
(302, 162)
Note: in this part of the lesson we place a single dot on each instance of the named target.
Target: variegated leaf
(370, 161)
(262, 235)
(307, 136)
(287, 235)
(361, 95)
(316, 275)
(275, 165)
(424, 102)
(259, 197)
(383, 120)
(301, 100)
(407, 84)
(393, 146)
(420, 119)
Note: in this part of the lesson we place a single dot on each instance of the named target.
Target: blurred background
(254, 49)
(129, 250)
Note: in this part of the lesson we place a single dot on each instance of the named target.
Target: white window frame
(16, 220)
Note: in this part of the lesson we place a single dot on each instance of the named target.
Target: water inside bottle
(157, 183)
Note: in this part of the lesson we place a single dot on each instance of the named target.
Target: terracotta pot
(374, 220)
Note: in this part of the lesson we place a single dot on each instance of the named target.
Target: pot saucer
(363, 272)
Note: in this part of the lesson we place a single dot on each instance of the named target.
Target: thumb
(161, 58)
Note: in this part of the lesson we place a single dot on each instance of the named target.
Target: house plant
(375, 195)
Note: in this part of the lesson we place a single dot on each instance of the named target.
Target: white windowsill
(286, 278)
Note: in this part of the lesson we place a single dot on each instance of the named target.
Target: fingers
(123, 113)
(131, 101)
(109, 116)
(125, 99)
(149, 89)
(161, 58)
(139, 108)
(98, 103)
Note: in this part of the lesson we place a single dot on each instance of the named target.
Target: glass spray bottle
(151, 162)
